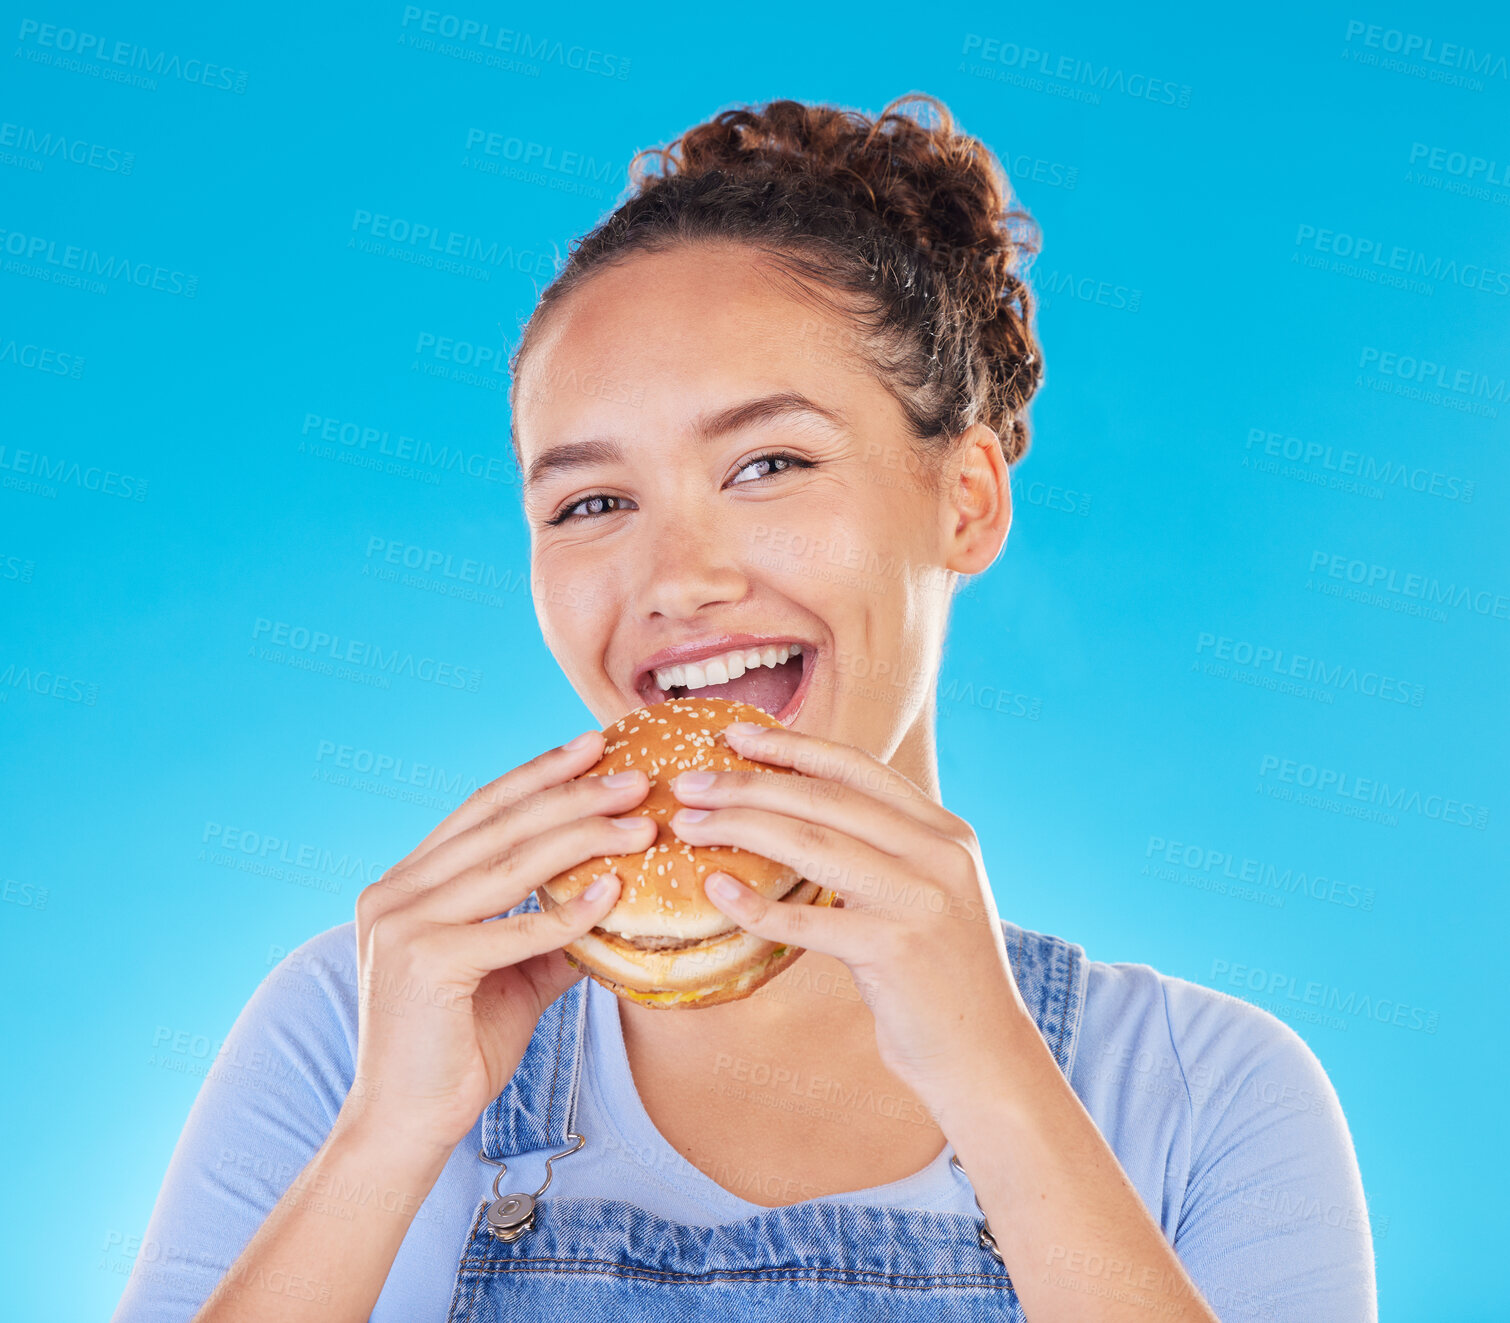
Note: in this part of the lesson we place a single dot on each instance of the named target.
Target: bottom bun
(707, 974)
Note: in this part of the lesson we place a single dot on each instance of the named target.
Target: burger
(664, 943)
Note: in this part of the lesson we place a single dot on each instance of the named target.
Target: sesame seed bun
(664, 943)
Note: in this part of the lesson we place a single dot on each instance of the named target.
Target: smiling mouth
(778, 690)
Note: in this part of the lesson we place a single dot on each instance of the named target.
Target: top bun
(662, 886)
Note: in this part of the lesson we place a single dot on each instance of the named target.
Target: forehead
(667, 335)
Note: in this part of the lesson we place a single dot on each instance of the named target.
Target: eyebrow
(709, 427)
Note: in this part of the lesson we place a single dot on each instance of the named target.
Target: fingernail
(691, 815)
(695, 780)
(621, 779)
(600, 888)
(738, 728)
(723, 887)
(631, 823)
(581, 742)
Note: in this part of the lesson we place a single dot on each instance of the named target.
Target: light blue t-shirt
(1221, 1116)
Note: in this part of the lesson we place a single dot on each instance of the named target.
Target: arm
(263, 1112)
(1075, 1234)
(311, 1259)
(1272, 1222)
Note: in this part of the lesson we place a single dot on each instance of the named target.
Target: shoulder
(322, 967)
(1228, 1126)
(303, 1017)
(1160, 1035)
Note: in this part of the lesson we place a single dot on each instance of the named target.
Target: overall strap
(1050, 974)
(532, 1112)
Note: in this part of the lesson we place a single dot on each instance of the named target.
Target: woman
(772, 399)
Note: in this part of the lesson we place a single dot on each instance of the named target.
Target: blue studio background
(1231, 703)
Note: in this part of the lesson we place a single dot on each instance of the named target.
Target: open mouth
(779, 690)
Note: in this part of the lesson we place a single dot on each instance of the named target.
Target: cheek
(832, 544)
(571, 591)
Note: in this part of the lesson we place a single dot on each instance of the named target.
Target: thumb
(549, 975)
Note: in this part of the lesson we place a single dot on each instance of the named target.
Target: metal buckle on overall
(511, 1215)
(987, 1240)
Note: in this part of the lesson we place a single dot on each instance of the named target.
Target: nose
(684, 564)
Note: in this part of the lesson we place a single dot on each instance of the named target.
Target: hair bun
(909, 227)
(936, 189)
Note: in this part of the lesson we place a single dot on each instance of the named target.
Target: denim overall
(609, 1261)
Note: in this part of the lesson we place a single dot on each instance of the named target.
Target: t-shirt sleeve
(1273, 1225)
(267, 1104)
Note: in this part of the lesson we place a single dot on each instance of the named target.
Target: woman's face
(707, 468)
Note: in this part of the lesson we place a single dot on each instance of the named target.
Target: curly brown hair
(908, 229)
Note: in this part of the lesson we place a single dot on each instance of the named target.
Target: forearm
(323, 1254)
(1074, 1233)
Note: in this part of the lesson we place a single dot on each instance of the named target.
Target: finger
(532, 815)
(480, 948)
(842, 763)
(499, 882)
(548, 976)
(812, 799)
(552, 767)
(857, 871)
(849, 935)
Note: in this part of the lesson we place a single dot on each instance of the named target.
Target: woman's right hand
(447, 1001)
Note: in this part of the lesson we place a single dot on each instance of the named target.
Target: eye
(565, 515)
(775, 456)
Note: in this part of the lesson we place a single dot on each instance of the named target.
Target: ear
(977, 502)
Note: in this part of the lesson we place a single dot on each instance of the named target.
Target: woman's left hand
(918, 929)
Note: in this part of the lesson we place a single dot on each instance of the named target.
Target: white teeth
(723, 668)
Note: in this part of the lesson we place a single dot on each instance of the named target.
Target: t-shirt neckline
(607, 1072)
